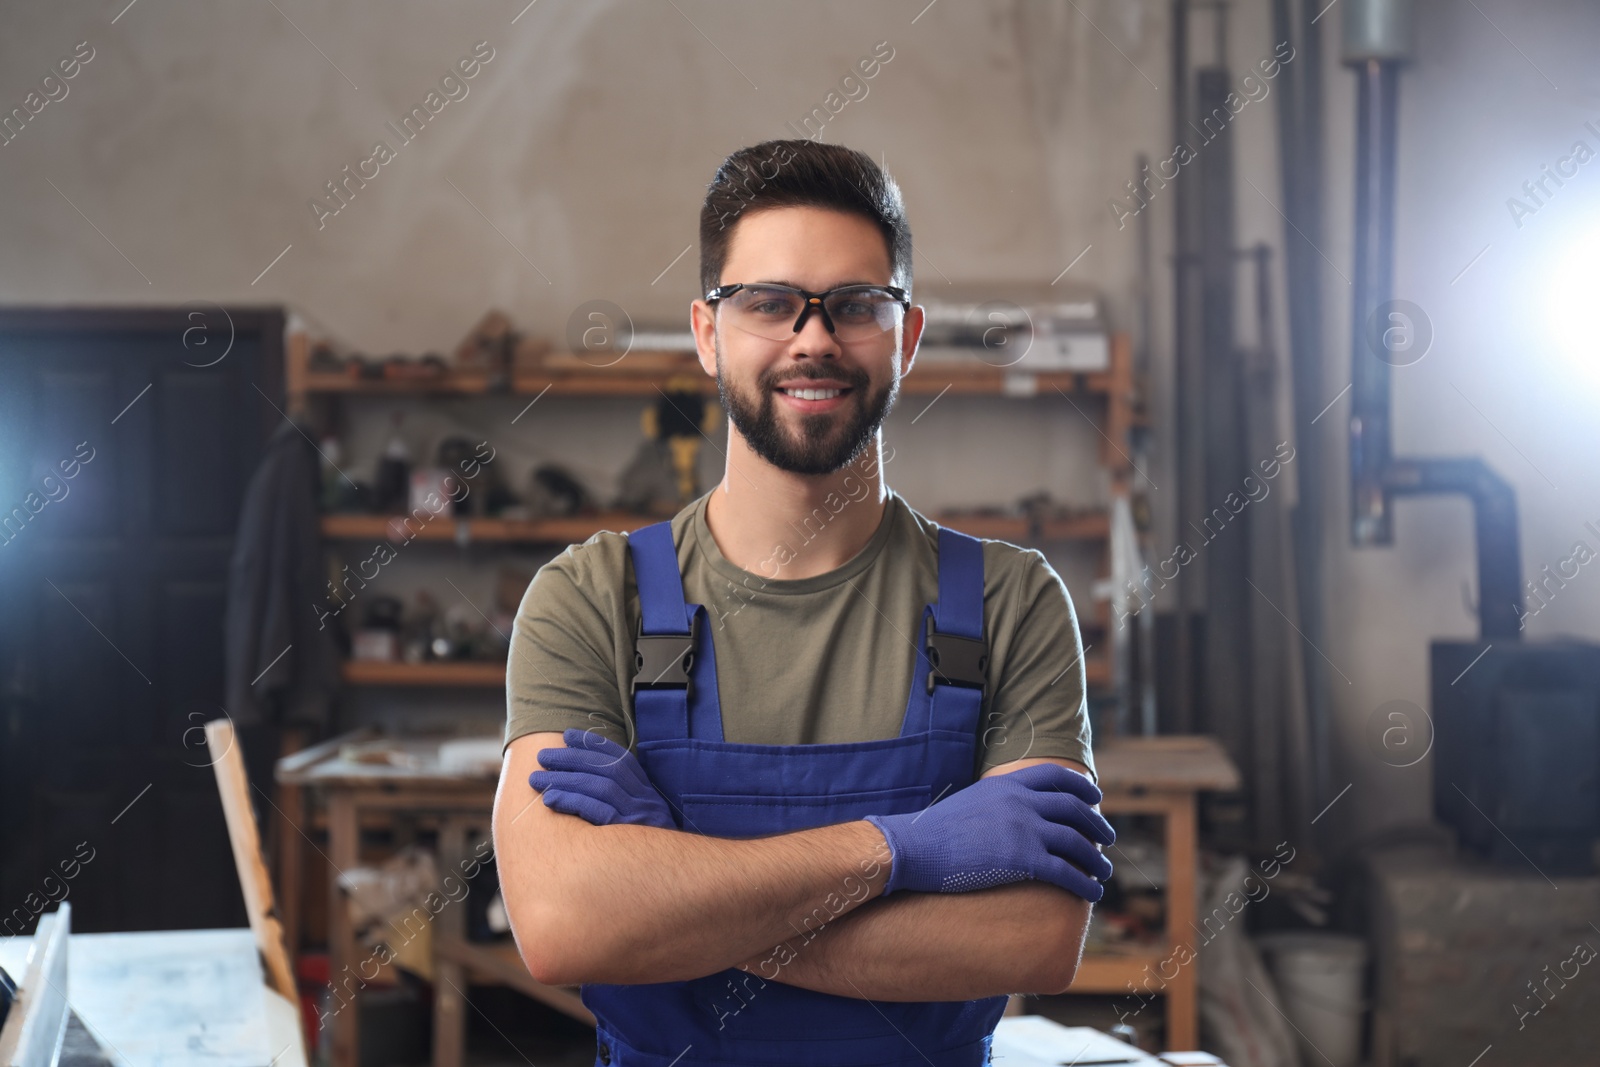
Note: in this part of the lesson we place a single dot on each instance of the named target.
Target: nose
(814, 339)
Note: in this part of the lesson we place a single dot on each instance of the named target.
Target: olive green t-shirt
(819, 660)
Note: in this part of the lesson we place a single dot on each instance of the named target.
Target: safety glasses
(852, 313)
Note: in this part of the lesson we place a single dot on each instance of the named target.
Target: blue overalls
(735, 1018)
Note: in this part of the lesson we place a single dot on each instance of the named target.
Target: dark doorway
(127, 438)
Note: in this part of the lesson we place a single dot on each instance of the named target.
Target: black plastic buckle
(956, 660)
(662, 661)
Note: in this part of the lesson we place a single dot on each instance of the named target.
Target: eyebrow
(835, 285)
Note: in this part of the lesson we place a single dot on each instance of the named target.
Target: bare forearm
(1021, 938)
(628, 904)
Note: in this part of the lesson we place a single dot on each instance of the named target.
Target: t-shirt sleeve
(561, 672)
(1039, 706)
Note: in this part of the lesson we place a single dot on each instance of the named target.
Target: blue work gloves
(1034, 823)
(600, 781)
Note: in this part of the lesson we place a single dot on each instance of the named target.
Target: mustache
(855, 379)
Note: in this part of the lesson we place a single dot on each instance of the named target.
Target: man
(810, 774)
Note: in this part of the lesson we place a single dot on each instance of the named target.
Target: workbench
(1160, 776)
(457, 807)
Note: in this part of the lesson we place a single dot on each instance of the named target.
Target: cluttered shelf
(935, 378)
(1088, 525)
(959, 353)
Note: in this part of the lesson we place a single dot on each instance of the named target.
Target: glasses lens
(765, 311)
(858, 313)
(863, 313)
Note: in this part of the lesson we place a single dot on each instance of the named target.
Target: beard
(825, 441)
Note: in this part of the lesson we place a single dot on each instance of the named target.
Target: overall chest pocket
(754, 815)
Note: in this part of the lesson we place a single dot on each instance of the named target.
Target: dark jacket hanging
(283, 665)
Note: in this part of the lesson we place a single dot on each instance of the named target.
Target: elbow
(550, 968)
(548, 951)
(1059, 966)
(1056, 975)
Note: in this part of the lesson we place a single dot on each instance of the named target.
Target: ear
(702, 320)
(911, 334)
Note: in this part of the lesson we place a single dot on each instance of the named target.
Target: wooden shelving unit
(646, 373)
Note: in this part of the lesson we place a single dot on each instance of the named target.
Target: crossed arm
(630, 904)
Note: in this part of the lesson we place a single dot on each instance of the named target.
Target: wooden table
(457, 806)
(1161, 776)
(174, 998)
(1156, 776)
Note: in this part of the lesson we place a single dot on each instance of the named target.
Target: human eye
(858, 306)
(770, 302)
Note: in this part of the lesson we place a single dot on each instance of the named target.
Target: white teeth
(814, 394)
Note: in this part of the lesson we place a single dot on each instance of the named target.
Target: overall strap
(655, 568)
(665, 642)
(960, 607)
(953, 663)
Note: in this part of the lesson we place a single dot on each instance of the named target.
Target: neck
(782, 525)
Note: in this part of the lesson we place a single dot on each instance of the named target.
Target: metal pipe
(1183, 376)
(1494, 513)
(1372, 287)
(1377, 38)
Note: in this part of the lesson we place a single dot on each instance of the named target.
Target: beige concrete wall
(181, 163)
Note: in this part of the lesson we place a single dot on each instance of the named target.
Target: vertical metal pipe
(1310, 530)
(1183, 378)
(1145, 699)
(1372, 283)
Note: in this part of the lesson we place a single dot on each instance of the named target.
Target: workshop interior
(1270, 324)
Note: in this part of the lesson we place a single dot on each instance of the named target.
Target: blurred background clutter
(1269, 322)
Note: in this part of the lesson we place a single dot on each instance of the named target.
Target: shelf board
(1112, 971)
(922, 380)
(556, 531)
(1088, 526)
(577, 529)
(457, 673)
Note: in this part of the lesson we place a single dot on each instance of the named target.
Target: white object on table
(1035, 1041)
(175, 998)
(471, 756)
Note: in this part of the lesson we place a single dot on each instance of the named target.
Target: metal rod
(1371, 522)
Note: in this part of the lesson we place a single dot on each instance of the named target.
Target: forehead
(813, 248)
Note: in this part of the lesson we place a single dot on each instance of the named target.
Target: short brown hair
(807, 173)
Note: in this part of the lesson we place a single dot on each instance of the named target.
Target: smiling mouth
(813, 393)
